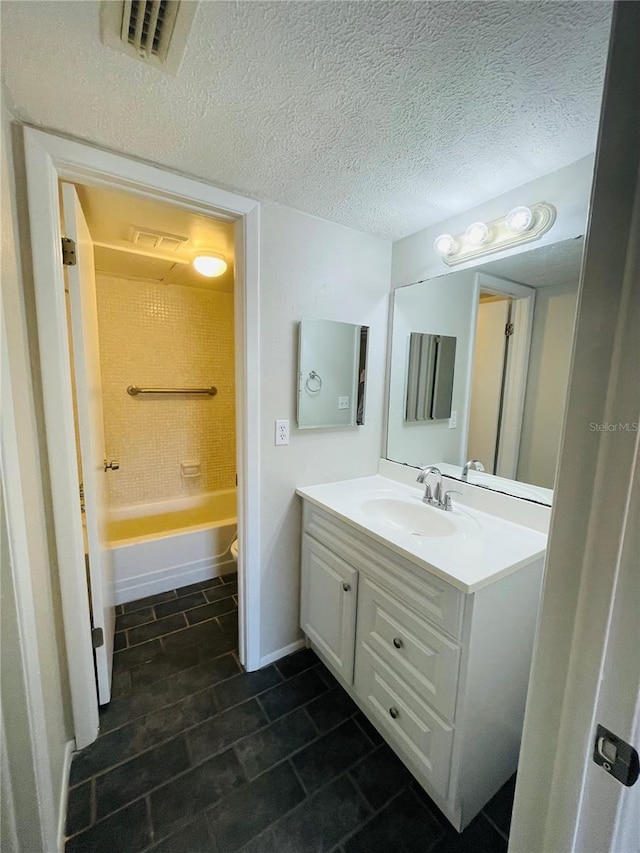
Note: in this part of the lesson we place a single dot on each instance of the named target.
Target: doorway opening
(51, 160)
(153, 380)
(498, 379)
(490, 356)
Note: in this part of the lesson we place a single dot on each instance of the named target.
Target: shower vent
(153, 31)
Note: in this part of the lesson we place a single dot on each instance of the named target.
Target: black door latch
(616, 756)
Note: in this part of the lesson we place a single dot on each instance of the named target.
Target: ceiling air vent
(153, 31)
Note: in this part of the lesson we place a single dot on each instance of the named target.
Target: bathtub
(156, 547)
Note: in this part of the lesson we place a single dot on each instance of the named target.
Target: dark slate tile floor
(197, 756)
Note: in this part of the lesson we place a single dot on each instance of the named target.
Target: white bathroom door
(88, 385)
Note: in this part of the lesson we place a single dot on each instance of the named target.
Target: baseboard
(64, 793)
(130, 589)
(283, 652)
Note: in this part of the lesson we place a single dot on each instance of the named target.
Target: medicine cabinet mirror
(429, 377)
(332, 366)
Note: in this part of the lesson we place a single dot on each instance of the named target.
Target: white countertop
(483, 549)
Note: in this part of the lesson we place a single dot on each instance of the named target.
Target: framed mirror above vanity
(512, 321)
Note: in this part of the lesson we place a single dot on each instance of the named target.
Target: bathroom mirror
(429, 383)
(512, 320)
(332, 365)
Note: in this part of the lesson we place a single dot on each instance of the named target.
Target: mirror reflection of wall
(509, 390)
(331, 374)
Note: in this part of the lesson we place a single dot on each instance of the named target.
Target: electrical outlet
(453, 420)
(343, 402)
(282, 432)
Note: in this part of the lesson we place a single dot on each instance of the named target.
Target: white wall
(32, 594)
(549, 362)
(443, 306)
(310, 268)
(414, 257)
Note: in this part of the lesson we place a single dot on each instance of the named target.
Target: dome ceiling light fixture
(210, 265)
(522, 224)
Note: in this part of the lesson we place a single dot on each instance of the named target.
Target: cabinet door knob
(394, 713)
(346, 587)
(397, 642)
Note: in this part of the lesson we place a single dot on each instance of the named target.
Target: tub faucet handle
(111, 466)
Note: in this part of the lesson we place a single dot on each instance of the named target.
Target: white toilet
(234, 549)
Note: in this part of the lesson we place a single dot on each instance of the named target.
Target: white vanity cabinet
(442, 674)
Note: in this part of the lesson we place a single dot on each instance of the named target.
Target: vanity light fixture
(210, 265)
(445, 244)
(519, 219)
(477, 234)
(521, 225)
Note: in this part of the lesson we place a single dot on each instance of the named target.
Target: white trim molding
(50, 159)
(289, 649)
(64, 794)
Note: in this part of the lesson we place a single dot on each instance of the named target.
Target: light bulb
(210, 265)
(445, 244)
(476, 234)
(519, 219)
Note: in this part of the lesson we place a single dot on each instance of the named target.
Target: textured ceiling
(546, 266)
(385, 116)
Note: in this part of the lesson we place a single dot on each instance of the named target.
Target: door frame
(517, 366)
(563, 800)
(49, 160)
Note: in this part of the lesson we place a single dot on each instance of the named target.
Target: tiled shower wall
(156, 335)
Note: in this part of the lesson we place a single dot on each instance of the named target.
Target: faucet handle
(447, 503)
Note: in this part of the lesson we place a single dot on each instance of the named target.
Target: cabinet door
(328, 605)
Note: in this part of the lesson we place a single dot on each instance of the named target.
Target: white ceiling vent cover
(154, 31)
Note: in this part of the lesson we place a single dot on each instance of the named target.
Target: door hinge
(68, 252)
(508, 330)
(97, 637)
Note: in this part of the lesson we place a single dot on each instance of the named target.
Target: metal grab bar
(133, 390)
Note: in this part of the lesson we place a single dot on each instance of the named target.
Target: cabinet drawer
(426, 660)
(433, 598)
(409, 724)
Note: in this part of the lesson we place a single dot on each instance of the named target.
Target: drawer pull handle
(397, 642)
(346, 587)
(394, 713)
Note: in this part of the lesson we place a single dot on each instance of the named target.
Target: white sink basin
(419, 519)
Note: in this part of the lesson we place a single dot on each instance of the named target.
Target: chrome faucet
(431, 497)
(435, 498)
(472, 463)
